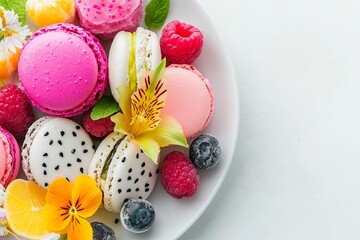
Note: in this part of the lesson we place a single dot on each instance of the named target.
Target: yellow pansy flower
(67, 207)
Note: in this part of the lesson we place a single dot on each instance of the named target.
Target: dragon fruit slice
(105, 18)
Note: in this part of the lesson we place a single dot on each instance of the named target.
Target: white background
(296, 170)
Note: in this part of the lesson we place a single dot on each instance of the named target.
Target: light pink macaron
(63, 70)
(105, 18)
(190, 99)
(9, 157)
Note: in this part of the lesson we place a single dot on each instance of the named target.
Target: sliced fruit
(47, 12)
(24, 202)
(9, 64)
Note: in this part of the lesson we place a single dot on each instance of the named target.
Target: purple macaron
(63, 69)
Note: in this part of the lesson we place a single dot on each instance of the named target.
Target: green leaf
(18, 6)
(105, 107)
(156, 13)
(158, 74)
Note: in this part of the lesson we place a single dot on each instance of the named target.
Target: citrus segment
(24, 202)
(47, 12)
(9, 64)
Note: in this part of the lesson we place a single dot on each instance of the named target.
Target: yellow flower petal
(121, 123)
(86, 196)
(55, 219)
(125, 100)
(59, 193)
(146, 104)
(150, 147)
(168, 132)
(79, 228)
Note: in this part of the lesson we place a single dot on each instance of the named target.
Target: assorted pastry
(104, 116)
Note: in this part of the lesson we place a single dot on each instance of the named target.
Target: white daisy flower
(12, 34)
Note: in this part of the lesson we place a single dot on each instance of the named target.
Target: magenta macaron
(9, 157)
(63, 70)
(105, 18)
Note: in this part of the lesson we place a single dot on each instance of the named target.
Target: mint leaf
(105, 107)
(18, 6)
(156, 13)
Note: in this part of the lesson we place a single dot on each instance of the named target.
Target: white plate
(175, 216)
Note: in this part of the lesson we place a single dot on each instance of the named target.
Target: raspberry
(15, 111)
(179, 176)
(98, 128)
(181, 42)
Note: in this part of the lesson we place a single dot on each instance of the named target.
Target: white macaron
(132, 55)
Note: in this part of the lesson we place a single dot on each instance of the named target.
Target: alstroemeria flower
(68, 206)
(141, 115)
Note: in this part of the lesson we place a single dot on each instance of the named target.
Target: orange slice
(24, 203)
(47, 12)
(9, 64)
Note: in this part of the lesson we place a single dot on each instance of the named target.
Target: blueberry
(205, 151)
(102, 232)
(137, 215)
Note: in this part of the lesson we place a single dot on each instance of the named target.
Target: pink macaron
(105, 18)
(9, 157)
(190, 99)
(63, 70)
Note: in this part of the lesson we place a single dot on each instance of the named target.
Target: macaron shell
(107, 17)
(3, 156)
(61, 148)
(12, 157)
(25, 148)
(61, 64)
(147, 51)
(118, 62)
(131, 174)
(190, 98)
(101, 154)
(63, 75)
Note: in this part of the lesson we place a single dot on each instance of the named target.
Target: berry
(205, 151)
(98, 128)
(137, 215)
(179, 176)
(15, 111)
(181, 42)
(102, 232)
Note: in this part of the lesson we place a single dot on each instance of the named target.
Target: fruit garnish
(47, 12)
(67, 207)
(15, 111)
(137, 215)
(156, 13)
(102, 231)
(12, 37)
(205, 151)
(24, 203)
(98, 128)
(181, 42)
(178, 175)
(141, 115)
